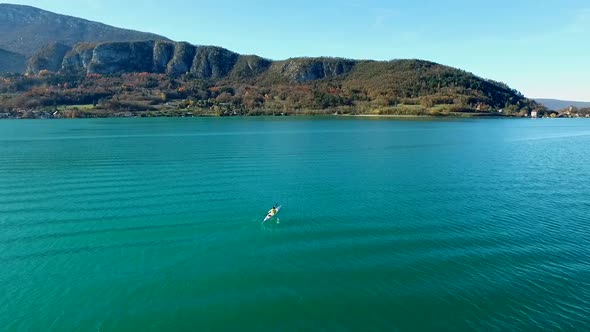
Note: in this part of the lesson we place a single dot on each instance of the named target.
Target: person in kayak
(273, 212)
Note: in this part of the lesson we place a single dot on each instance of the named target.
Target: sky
(539, 47)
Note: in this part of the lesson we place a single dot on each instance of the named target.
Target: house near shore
(534, 114)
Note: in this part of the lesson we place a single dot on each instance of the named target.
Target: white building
(534, 114)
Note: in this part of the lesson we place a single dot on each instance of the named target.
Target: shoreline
(98, 114)
(81, 114)
(368, 116)
(392, 116)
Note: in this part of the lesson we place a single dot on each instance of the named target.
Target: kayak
(270, 216)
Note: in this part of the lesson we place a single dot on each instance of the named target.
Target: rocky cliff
(310, 69)
(48, 58)
(149, 56)
(79, 58)
(172, 58)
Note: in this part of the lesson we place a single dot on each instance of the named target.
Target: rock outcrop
(122, 57)
(163, 54)
(250, 66)
(79, 58)
(182, 60)
(48, 58)
(213, 62)
(310, 69)
(172, 58)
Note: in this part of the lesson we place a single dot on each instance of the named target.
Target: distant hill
(11, 62)
(78, 62)
(155, 75)
(25, 30)
(556, 105)
(389, 81)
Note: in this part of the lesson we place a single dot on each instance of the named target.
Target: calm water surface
(154, 224)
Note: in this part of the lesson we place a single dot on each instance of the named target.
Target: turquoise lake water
(387, 225)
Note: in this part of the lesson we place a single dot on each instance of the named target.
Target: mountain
(115, 70)
(11, 62)
(557, 105)
(25, 30)
(158, 75)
